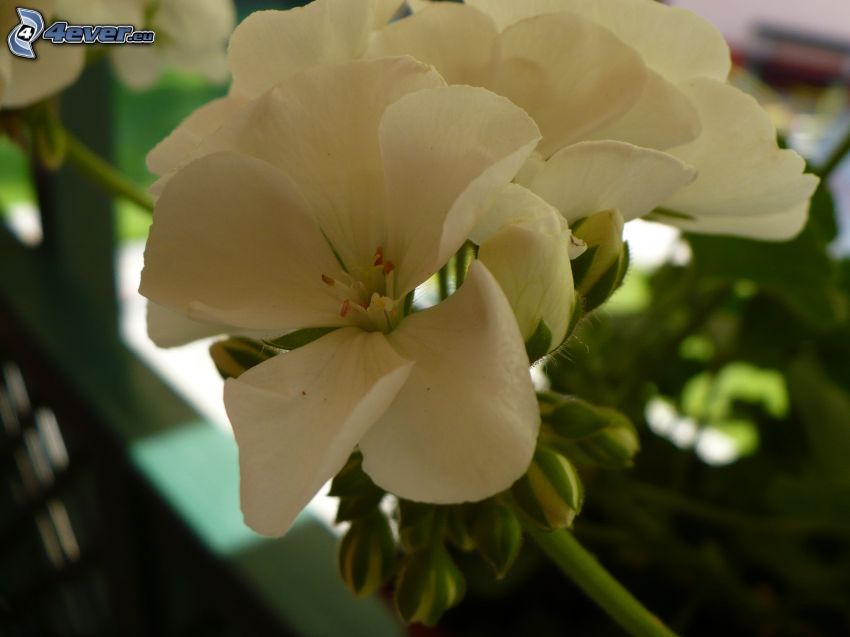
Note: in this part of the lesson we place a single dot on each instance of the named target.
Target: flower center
(366, 294)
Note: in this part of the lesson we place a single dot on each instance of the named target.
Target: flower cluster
(494, 149)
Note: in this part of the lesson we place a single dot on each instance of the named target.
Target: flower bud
(233, 356)
(550, 492)
(457, 527)
(527, 251)
(428, 584)
(614, 448)
(367, 554)
(420, 525)
(497, 533)
(359, 497)
(599, 435)
(600, 270)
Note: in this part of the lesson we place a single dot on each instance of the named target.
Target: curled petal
(742, 171)
(298, 416)
(530, 259)
(465, 424)
(595, 176)
(466, 144)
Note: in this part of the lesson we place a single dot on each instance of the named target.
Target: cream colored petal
(776, 226)
(270, 46)
(233, 242)
(321, 129)
(456, 39)
(572, 76)
(175, 149)
(465, 424)
(663, 117)
(530, 259)
(514, 204)
(445, 152)
(676, 42)
(167, 328)
(298, 416)
(595, 176)
(137, 66)
(742, 170)
(54, 70)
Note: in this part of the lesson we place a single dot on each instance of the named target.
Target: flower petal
(663, 117)
(55, 69)
(172, 151)
(270, 46)
(676, 42)
(232, 242)
(571, 75)
(321, 129)
(167, 328)
(530, 259)
(465, 424)
(298, 416)
(595, 176)
(445, 151)
(742, 170)
(434, 35)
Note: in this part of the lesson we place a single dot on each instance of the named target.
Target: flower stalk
(597, 583)
(103, 174)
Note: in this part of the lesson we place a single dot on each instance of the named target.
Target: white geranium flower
(323, 204)
(24, 82)
(747, 185)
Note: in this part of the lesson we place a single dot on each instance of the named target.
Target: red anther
(346, 306)
(327, 280)
(379, 256)
(389, 266)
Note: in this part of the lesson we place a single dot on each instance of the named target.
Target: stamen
(328, 280)
(389, 266)
(378, 259)
(346, 306)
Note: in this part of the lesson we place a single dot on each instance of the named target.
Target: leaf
(798, 272)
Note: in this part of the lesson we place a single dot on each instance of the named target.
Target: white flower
(24, 82)
(747, 185)
(320, 205)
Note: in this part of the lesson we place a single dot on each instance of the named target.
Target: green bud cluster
(413, 544)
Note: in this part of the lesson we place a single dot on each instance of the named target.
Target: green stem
(836, 158)
(104, 175)
(589, 575)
